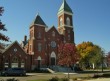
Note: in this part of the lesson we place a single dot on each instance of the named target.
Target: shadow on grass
(16, 76)
(92, 72)
(105, 75)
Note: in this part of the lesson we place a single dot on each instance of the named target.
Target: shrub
(74, 79)
(54, 79)
(106, 75)
(96, 76)
(12, 79)
(64, 79)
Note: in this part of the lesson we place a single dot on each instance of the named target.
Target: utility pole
(102, 60)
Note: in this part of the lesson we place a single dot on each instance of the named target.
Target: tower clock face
(53, 44)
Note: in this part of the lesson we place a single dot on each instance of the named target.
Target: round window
(53, 44)
(15, 49)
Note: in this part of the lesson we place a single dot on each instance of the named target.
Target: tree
(67, 55)
(90, 54)
(2, 28)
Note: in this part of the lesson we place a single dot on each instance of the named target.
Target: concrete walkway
(100, 79)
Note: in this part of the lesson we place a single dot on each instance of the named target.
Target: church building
(41, 49)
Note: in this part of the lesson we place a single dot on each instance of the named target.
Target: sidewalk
(100, 79)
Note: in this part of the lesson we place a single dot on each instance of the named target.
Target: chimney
(25, 38)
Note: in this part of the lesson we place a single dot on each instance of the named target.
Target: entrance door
(53, 58)
(39, 62)
(52, 61)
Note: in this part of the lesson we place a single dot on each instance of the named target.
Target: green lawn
(38, 80)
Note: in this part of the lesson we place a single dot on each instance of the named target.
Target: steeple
(65, 8)
(38, 20)
(65, 22)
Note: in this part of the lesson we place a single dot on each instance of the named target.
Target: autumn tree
(90, 54)
(2, 28)
(67, 55)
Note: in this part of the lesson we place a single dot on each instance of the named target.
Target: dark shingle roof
(38, 20)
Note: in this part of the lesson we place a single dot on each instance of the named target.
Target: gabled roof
(12, 45)
(52, 28)
(38, 20)
(65, 7)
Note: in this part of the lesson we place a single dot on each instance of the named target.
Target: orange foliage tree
(67, 54)
(90, 54)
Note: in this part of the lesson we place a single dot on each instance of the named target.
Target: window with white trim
(53, 34)
(68, 21)
(68, 31)
(39, 35)
(39, 46)
(61, 21)
(68, 37)
(30, 47)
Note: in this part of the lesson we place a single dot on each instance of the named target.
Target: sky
(91, 18)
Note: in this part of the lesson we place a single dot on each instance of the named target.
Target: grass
(38, 80)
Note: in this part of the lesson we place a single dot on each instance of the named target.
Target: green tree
(2, 28)
(90, 54)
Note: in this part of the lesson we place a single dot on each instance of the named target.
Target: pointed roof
(65, 7)
(38, 20)
(53, 27)
(15, 42)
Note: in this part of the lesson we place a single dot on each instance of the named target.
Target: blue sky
(91, 18)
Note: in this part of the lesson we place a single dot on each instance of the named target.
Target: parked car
(14, 71)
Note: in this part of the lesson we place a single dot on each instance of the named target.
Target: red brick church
(41, 49)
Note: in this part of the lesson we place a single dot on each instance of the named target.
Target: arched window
(39, 46)
(53, 58)
(68, 37)
(39, 58)
(53, 34)
(61, 21)
(68, 31)
(39, 61)
(68, 21)
(31, 34)
(14, 62)
(39, 35)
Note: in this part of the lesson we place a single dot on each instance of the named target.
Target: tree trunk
(68, 73)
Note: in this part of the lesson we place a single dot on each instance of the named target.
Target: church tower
(65, 23)
(37, 42)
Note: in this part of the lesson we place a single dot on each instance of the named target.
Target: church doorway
(53, 58)
(38, 62)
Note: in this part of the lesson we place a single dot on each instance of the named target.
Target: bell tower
(65, 22)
